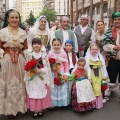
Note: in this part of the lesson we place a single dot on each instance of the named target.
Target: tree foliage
(50, 14)
(31, 19)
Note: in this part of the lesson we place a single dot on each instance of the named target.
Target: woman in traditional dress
(100, 33)
(13, 45)
(40, 29)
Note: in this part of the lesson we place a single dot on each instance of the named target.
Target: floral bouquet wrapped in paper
(30, 67)
(55, 67)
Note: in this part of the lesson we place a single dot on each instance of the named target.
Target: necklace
(14, 35)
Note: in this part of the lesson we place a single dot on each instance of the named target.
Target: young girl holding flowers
(96, 70)
(38, 88)
(60, 94)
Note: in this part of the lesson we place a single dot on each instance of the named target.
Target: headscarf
(34, 29)
(84, 16)
(70, 42)
(37, 23)
(115, 15)
(60, 51)
(96, 58)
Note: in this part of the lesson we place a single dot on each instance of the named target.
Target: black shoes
(38, 114)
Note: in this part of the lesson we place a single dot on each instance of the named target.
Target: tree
(31, 19)
(118, 5)
(71, 11)
(49, 13)
(101, 10)
(83, 2)
(76, 20)
(91, 12)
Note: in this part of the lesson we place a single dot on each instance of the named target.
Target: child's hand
(64, 77)
(54, 69)
(37, 71)
(105, 79)
(90, 81)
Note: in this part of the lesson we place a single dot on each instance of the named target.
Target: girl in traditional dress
(13, 45)
(96, 69)
(38, 90)
(42, 30)
(83, 97)
(60, 94)
(72, 59)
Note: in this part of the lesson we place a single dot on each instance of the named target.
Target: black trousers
(113, 70)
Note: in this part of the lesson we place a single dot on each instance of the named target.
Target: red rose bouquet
(59, 79)
(30, 67)
(52, 61)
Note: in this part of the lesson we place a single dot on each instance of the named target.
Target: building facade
(12, 4)
(96, 11)
(61, 7)
(109, 6)
(4, 6)
(27, 5)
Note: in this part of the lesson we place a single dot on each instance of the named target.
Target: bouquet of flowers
(103, 85)
(59, 79)
(52, 61)
(30, 67)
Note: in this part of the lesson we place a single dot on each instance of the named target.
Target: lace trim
(5, 36)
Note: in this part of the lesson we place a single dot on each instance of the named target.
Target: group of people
(71, 65)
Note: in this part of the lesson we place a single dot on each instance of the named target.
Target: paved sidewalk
(110, 111)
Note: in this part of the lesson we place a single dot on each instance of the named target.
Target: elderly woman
(40, 29)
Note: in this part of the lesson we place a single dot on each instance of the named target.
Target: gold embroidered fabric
(44, 39)
(12, 88)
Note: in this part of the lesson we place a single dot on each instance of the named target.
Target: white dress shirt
(66, 37)
(83, 29)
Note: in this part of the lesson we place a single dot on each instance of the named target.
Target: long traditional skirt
(12, 87)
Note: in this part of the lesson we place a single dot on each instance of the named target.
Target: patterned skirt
(80, 106)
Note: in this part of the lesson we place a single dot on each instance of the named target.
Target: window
(105, 7)
(93, 11)
(88, 12)
(98, 10)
